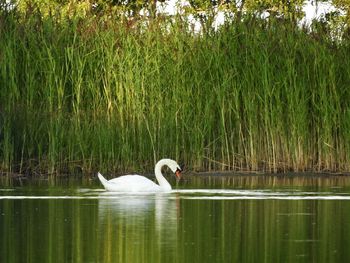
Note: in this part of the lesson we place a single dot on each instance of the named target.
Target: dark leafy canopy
(133, 6)
(286, 9)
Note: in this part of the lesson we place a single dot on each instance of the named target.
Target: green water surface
(205, 219)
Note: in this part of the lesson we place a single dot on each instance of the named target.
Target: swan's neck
(163, 183)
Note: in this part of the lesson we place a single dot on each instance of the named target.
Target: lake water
(240, 218)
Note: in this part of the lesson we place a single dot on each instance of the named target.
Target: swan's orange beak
(178, 173)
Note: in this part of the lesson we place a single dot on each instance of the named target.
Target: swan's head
(174, 167)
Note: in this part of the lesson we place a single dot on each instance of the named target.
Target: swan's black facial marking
(178, 172)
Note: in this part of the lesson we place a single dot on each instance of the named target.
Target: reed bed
(98, 94)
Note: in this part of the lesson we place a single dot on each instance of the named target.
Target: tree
(344, 7)
(286, 9)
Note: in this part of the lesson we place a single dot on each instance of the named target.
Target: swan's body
(137, 183)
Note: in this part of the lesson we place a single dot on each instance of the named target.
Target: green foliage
(96, 93)
(290, 9)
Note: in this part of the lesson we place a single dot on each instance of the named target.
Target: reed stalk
(87, 95)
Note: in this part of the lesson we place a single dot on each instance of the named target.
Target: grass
(90, 95)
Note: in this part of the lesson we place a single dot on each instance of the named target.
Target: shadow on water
(241, 218)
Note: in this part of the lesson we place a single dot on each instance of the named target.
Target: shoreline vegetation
(98, 90)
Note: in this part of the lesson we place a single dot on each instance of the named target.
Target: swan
(138, 183)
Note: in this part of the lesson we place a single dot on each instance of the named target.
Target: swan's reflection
(117, 205)
(137, 222)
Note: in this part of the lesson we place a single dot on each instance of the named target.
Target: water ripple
(193, 194)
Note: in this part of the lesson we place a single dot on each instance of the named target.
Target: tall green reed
(92, 94)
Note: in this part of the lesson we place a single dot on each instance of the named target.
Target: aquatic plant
(97, 94)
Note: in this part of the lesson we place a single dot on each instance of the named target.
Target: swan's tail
(102, 179)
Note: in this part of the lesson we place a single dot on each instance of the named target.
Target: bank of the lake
(95, 94)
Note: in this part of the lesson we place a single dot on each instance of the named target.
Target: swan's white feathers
(131, 183)
(137, 183)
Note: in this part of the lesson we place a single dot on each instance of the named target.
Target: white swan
(137, 183)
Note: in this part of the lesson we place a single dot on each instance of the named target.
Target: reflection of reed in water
(134, 227)
(229, 180)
